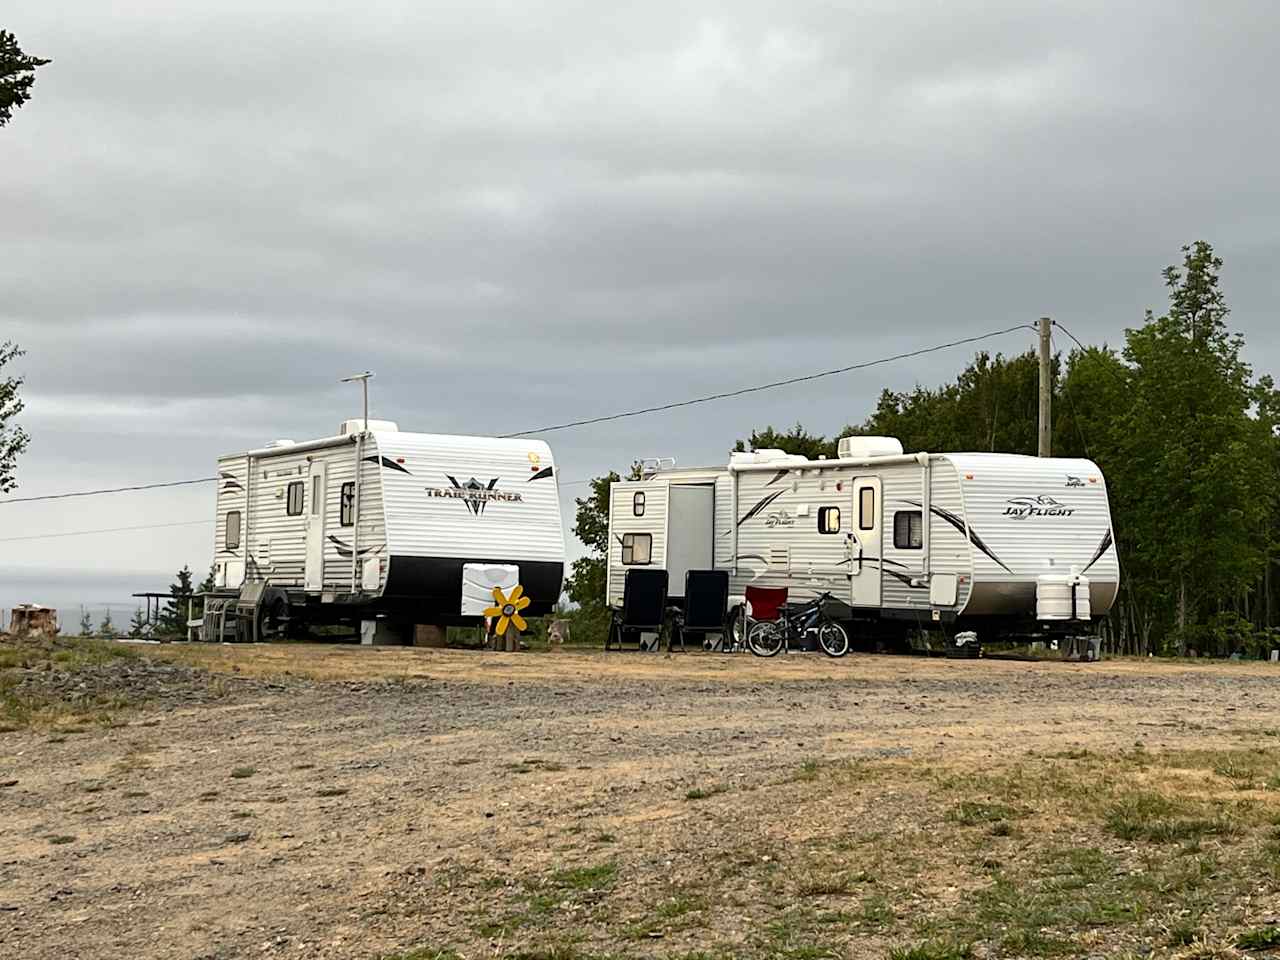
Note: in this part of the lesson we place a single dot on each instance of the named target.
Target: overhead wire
(84, 533)
(771, 385)
(726, 395)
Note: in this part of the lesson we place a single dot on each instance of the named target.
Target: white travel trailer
(382, 525)
(1002, 545)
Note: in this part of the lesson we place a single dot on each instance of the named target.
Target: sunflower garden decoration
(507, 610)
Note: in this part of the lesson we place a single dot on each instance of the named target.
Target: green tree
(172, 621)
(585, 585)
(17, 74)
(106, 628)
(13, 439)
(138, 624)
(1192, 487)
(797, 440)
(86, 623)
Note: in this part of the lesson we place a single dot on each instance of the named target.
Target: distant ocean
(70, 591)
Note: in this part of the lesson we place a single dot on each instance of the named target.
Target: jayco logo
(1074, 481)
(1020, 508)
(779, 519)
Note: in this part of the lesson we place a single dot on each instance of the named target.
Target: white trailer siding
(232, 474)
(476, 498)
(623, 521)
(779, 544)
(277, 539)
(949, 552)
(1031, 516)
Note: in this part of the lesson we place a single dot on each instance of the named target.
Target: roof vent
(861, 448)
(357, 425)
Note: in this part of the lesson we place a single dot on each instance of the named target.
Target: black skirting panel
(437, 581)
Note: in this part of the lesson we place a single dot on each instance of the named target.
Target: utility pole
(1046, 388)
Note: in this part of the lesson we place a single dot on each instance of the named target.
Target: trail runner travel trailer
(1006, 546)
(382, 526)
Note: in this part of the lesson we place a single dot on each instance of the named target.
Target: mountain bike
(768, 637)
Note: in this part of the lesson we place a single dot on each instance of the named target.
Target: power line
(94, 493)
(581, 423)
(85, 533)
(772, 385)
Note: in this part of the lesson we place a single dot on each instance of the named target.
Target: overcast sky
(520, 213)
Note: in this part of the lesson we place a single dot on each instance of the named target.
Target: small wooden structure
(33, 620)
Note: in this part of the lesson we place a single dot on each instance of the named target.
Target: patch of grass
(604, 838)
(702, 793)
(1259, 938)
(425, 953)
(970, 813)
(876, 913)
(828, 885)
(1158, 819)
(933, 950)
(243, 773)
(332, 792)
(61, 838)
(585, 878)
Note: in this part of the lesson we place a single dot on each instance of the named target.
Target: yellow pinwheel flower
(508, 609)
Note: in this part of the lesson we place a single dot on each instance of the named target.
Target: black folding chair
(706, 604)
(644, 606)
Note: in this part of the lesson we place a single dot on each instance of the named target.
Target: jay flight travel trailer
(382, 527)
(1003, 546)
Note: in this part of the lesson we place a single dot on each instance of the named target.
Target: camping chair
(706, 600)
(644, 605)
(766, 603)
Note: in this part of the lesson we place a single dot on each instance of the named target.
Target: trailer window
(828, 519)
(908, 530)
(293, 499)
(867, 508)
(637, 548)
(347, 510)
(233, 530)
(637, 504)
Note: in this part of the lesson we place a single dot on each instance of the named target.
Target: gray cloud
(520, 214)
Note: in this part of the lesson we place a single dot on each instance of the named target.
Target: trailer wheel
(275, 623)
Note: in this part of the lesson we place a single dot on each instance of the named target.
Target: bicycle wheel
(765, 638)
(833, 639)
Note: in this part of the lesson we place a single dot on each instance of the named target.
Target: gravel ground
(295, 816)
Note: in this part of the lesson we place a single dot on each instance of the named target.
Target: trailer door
(316, 481)
(865, 555)
(690, 532)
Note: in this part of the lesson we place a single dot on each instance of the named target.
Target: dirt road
(495, 803)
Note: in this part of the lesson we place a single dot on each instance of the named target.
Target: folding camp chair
(644, 605)
(706, 602)
(766, 602)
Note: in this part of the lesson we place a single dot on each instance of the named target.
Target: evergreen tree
(13, 439)
(86, 623)
(138, 624)
(1190, 481)
(172, 621)
(106, 628)
(17, 74)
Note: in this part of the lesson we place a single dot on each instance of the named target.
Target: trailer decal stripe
(956, 522)
(1107, 540)
(754, 511)
(544, 472)
(386, 462)
(344, 548)
(776, 477)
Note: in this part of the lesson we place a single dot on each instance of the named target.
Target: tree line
(1182, 429)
